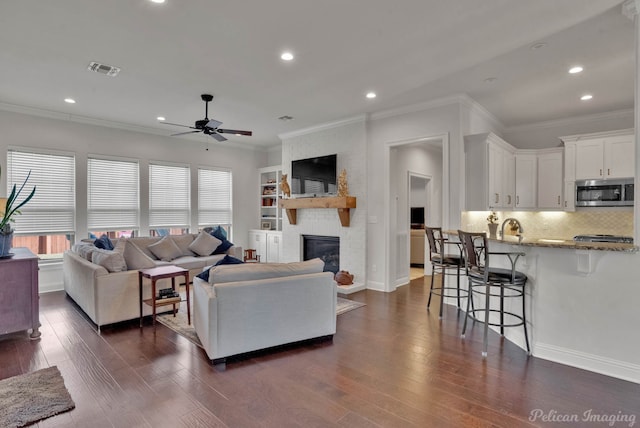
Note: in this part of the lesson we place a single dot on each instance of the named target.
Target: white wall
(348, 141)
(85, 139)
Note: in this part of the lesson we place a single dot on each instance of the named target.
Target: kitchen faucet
(511, 222)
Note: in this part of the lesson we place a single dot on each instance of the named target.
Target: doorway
(419, 195)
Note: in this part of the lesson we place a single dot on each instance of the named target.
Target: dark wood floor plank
(392, 363)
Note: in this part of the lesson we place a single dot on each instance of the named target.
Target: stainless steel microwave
(604, 193)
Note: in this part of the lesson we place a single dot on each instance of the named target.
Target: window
(113, 196)
(169, 197)
(214, 198)
(46, 224)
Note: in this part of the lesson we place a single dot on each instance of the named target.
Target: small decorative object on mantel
(284, 186)
(11, 207)
(343, 278)
(493, 224)
(343, 187)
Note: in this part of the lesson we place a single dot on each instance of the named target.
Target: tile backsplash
(558, 224)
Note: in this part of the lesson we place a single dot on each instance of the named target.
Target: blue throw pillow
(229, 260)
(104, 243)
(204, 275)
(223, 247)
(219, 233)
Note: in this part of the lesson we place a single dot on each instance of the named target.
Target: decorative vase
(6, 243)
(343, 278)
(493, 228)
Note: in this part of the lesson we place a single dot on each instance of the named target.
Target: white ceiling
(408, 51)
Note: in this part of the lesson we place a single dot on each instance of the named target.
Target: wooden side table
(161, 272)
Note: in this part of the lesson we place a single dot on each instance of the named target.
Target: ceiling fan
(209, 126)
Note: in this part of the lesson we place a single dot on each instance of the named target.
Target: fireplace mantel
(342, 203)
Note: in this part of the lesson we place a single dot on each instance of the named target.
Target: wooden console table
(19, 305)
(342, 203)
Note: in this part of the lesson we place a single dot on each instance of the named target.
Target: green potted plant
(12, 205)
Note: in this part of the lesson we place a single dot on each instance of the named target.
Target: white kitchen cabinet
(601, 155)
(569, 195)
(526, 180)
(267, 243)
(550, 179)
(489, 172)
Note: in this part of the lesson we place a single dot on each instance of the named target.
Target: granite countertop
(561, 243)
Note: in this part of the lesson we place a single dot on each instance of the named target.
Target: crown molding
(571, 121)
(323, 127)
(413, 108)
(630, 8)
(481, 110)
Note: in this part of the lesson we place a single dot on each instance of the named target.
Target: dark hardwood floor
(391, 364)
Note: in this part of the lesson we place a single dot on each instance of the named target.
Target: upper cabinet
(490, 172)
(550, 181)
(526, 180)
(601, 155)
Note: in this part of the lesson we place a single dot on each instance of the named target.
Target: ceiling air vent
(103, 69)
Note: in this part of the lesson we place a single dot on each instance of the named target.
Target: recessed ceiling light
(286, 56)
(371, 95)
(157, 1)
(69, 101)
(586, 97)
(161, 118)
(537, 46)
(490, 79)
(576, 69)
(286, 118)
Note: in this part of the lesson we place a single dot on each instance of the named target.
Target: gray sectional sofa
(105, 283)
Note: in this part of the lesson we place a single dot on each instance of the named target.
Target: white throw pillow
(136, 258)
(204, 244)
(183, 242)
(113, 261)
(165, 249)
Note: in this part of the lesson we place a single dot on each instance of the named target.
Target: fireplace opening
(326, 248)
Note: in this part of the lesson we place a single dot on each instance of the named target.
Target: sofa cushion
(85, 250)
(189, 262)
(165, 249)
(252, 271)
(135, 258)
(204, 244)
(183, 242)
(143, 243)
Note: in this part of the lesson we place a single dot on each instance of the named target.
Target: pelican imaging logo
(584, 418)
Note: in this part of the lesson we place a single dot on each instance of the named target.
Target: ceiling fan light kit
(209, 126)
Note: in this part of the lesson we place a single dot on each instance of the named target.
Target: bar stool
(492, 282)
(443, 261)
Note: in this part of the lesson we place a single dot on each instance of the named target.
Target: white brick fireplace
(348, 140)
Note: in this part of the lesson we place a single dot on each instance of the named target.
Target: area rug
(31, 397)
(180, 326)
(346, 305)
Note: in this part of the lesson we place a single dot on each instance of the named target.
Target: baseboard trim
(377, 286)
(594, 363)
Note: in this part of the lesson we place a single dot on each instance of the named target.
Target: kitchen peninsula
(573, 290)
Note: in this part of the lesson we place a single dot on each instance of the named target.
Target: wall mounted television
(314, 177)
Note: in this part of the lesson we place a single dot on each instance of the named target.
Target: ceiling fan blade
(235, 131)
(177, 124)
(184, 133)
(218, 136)
(213, 123)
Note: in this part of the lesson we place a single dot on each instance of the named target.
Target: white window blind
(214, 197)
(169, 196)
(52, 209)
(112, 194)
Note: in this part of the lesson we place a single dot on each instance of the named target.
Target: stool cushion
(449, 259)
(497, 275)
